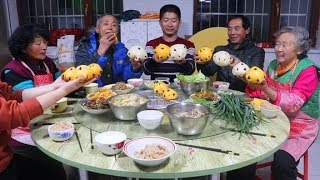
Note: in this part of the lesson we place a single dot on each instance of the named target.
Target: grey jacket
(247, 53)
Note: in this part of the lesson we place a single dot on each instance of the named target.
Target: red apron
(42, 79)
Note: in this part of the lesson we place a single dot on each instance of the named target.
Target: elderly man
(240, 46)
(104, 48)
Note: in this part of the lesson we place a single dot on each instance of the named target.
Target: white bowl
(91, 88)
(61, 131)
(138, 144)
(150, 119)
(60, 105)
(221, 86)
(269, 110)
(94, 111)
(136, 82)
(129, 88)
(110, 142)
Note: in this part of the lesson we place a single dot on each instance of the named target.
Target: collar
(247, 41)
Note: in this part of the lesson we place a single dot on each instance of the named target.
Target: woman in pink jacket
(17, 108)
(292, 82)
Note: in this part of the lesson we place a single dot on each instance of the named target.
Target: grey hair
(301, 34)
(106, 14)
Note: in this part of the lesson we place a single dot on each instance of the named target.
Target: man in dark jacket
(241, 46)
(104, 48)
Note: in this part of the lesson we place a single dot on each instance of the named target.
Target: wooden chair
(303, 176)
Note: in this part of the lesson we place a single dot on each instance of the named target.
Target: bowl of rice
(61, 131)
(149, 150)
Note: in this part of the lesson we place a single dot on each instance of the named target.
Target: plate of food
(120, 87)
(95, 107)
(207, 95)
(102, 95)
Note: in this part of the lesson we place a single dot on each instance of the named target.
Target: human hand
(198, 61)
(263, 85)
(156, 59)
(73, 85)
(183, 61)
(136, 65)
(106, 42)
(234, 61)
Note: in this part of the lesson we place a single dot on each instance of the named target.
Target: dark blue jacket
(121, 67)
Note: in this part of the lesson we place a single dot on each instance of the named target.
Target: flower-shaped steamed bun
(222, 58)
(240, 69)
(178, 52)
(137, 53)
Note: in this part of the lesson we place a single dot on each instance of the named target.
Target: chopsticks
(92, 147)
(253, 133)
(210, 149)
(46, 123)
(77, 136)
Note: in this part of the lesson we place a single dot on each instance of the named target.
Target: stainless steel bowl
(193, 87)
(188, 125)
(126, 112)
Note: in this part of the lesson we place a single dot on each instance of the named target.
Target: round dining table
(260, 143)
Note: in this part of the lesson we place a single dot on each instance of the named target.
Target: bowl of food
(150, 84)
(120, 87)
(61, 131)
(95, 107)
(221, 85)
(136, 82)
(91, 88)
(110, 142)
(188, 118)
(191, 87)
(150, 119)
(59, 106)
(269, 110)
(127, 106)
(149, 150)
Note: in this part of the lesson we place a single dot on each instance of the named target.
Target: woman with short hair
(292, 82)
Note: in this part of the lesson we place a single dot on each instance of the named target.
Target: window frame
(275, 19)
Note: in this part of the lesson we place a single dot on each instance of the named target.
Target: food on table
(205, 54)
(222, 58)
(255, 75)
(207, 95)
(88, 72)
(200, 77)
(102, 95)
(162, 51)
(137, 53)
(256, 103)
(59, 126)
(93, 104)
(159, 87)
(191, 113)
(120, 86)
(128, 100)
(178, 52)
(153, 151)
(240, 69)
(169, 94)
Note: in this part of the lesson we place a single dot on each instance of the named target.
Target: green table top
(185, 162)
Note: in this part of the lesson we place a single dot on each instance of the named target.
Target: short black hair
(245, 21)
(23, 36)
(170, 8)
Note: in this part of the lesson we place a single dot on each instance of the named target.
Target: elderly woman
(292, 82)
(31, 67)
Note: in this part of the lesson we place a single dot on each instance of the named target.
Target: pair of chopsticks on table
(48, 123)
(252, 133)
(210, 149)
(77, 136)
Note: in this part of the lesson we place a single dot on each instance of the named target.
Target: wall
(186, 7)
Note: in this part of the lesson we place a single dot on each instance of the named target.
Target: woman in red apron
(292, 82)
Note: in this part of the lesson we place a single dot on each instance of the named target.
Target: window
(262, 13)
(71, 14)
